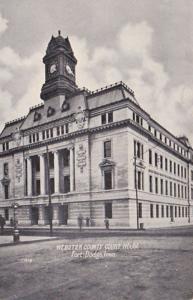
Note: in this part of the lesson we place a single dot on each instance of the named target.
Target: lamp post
(49, 191)
(15, 230)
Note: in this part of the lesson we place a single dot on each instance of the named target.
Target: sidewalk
(7, 240)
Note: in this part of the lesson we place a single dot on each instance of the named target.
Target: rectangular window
(186, 211)
(166, 187)
(175, 211)
(182, 191)
(157, 211)
(150, 184)
(178, 191)
(182, 172)
(155, 132)
(162, 210)
(185, 192)
(66, 158)
(6, 191)
(174, 168)
(156, 185)
(174, 189)
(137, 119)
(103, 119)
(30, 139)
(156, 160)
(66, 127)
(6, 214)
(167, 211)
(138, 149)
(133, 116)
(107, 149)
(5, 169)
(140, 210)
(192, 193)
(58, 130)
(108, 210)
(178, 170)
(161, 161)
(47, 133)
(108, 180)
(151, 210)
(166, 164)
(110, 117)
(171, 192)
(34, 137)
(182, 212)
(150, 157)
(170, 166)
(51, 132)
(185, 173)
(179, 211)
(161, 186)
(149, 128)
(62, 129)
(37, 136)
(140, 180)
(43, 134)
(66, 184)
(160, 136)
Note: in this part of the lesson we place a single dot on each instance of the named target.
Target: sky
(146, 44)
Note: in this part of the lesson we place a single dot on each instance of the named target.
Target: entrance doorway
(63, 214)
(34, 215)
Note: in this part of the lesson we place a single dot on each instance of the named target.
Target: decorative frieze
(81, 158)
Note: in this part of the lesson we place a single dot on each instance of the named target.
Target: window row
(167, 141)
(48, 133)
(167, 164)
(165, 187)
(168, 211)
(107, 118)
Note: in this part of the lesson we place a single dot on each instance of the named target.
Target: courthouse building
(97, 152)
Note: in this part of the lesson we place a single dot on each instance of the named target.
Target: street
(114, 266)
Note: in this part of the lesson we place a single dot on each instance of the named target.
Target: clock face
(53, 68)
(69, 70)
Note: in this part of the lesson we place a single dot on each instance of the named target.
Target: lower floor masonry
(121, 212)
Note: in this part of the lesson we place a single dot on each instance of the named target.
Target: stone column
(42, 174)
(56, 173)
(29, 176)
(71, 168)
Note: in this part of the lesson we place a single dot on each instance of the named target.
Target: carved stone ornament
(81, 158)
(106, 163)
(18, 170)
(50, 111)
(80, 118)
(37, 116)
(17, 136)
(5, 180)
(65, 106)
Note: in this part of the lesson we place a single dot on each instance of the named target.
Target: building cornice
(124, 123)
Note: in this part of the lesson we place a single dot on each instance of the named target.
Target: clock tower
(60, 63)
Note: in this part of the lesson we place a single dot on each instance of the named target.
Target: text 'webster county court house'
(107, 156)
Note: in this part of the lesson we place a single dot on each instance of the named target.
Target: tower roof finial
(59, 32)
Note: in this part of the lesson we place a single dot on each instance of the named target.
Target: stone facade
(98, 154)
